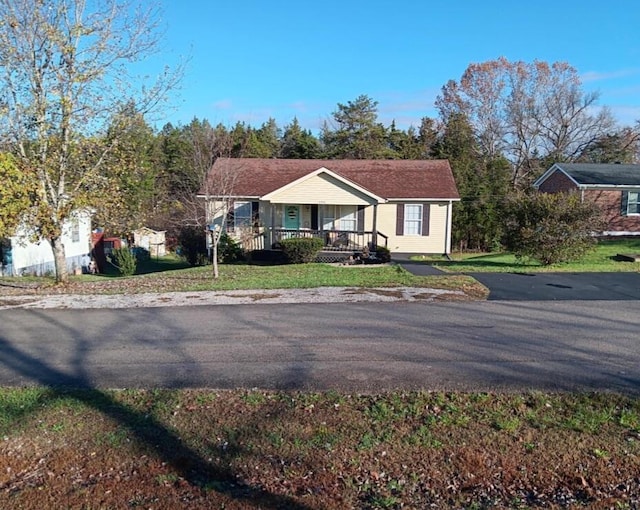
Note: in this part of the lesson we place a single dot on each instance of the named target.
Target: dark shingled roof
(602, 174)
(417, 179)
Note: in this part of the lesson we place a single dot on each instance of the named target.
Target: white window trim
(246, 220)
(75, 230)
(636, 202)
(409, 221)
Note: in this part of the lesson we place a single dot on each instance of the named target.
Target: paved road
(590, 345)
(561, 286)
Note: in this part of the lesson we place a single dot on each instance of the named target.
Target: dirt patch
(398, 294)
(16, 302)
(260, 297)
(427, 296)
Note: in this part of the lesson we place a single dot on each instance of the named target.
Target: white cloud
(591, 76)
(223, 104)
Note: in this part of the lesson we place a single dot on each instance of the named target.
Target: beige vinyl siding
(321, 188)
(216, 212)
(435, 242)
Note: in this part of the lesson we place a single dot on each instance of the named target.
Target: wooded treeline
(500, 126)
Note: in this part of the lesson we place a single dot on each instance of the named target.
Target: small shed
(154, 241)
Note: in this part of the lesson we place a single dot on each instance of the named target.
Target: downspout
(447, 239)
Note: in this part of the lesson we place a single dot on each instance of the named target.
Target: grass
(602, 259)
(259, 449)
(173, 276)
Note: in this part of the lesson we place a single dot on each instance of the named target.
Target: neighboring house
(153, 241)
(21, 256)
(614, 187)
(404, 205)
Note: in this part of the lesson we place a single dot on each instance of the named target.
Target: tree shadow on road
(147, 430)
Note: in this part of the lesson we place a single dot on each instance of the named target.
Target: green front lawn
(602, 259)
(243, 276)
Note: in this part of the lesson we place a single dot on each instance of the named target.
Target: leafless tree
(65, 72)
(218, 194)
(528, 112)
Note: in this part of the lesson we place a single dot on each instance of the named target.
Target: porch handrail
(333, 239)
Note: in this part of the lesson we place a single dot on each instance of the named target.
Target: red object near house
(101, 247)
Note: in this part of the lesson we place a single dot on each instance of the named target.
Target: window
(328, 217)
(633, 202)
(347, 218)
(75, 231)
(413, 219)
(242, 214)
(340, 217)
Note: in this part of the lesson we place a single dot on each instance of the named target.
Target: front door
(292, 217)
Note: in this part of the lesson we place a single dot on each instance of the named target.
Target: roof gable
(591, 175)
(386, 179)
(325, 172)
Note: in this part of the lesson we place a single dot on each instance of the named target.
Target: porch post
(321, 221)
(374, 236)
(273, 223)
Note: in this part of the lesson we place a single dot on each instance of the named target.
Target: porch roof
(388, 179)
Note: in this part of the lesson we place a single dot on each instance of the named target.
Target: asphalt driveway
(544, 286)
(561, 286)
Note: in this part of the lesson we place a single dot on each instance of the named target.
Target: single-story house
(614, 187)
(403, 205)
(20, 255)
(154, 241)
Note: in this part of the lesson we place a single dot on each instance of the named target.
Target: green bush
(301, 250)
(550, 227)
(124, 260)
(383, 254)
(229, 251)
(193, 245)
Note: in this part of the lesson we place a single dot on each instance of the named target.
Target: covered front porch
(345, 230)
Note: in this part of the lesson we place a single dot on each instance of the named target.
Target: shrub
(550, 227)
(383, 254)
(229, 251)
(124, 260)
(301, 250)
(193, 245)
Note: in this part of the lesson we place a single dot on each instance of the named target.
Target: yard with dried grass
(255, 449)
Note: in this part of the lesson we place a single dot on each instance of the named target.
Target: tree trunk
(59, 260)
(215, 237)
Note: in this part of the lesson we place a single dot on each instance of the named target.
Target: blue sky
(250, 60)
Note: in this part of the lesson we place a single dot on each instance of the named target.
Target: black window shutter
(400, 220)
(314, 216)
(426, 210)
(624, 203)
(360, 219)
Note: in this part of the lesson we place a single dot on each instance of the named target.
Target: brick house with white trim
(614, 187)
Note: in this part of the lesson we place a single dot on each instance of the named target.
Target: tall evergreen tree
(357, 133)
(482, 183)
(298, 143)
